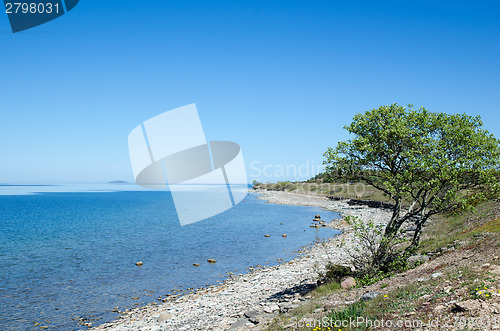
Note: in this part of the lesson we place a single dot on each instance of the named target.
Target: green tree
(426, 162)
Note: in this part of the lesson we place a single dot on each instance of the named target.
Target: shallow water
(69, 255)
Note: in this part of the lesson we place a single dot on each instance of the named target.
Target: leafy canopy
(433, 160)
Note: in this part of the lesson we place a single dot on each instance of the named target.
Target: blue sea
(66, 256)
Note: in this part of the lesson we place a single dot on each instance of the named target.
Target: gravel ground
(245, 301)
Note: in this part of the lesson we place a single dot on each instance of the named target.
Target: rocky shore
(246, 301)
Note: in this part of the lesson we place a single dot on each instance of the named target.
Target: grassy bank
(460, 285)
(335, 190)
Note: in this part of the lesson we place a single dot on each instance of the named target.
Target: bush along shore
(255, 299)
(452, 281)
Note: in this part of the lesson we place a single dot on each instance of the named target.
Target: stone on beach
(369, 296)
(348, 283)
(253, 316)
(270, 309)
(164, 317)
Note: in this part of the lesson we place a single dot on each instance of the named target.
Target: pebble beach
(246, 301)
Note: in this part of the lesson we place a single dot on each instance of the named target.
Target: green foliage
(440, 161)
(335, 272)
(326, 289)
(435, 162)
(349, 313)
(256, 184)
(367, 279)
(368, 238)
(284, 186)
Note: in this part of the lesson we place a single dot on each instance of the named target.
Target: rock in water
(139, 263)
(348, 283)
(211, 261)
(196, 264)
(267, 236)
(317, 216)
(284, 235)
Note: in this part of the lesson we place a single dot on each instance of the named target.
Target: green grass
(306, 308)
(448, 228)
(340, 190)
(326, 289)
(351, 312)
(491, 226)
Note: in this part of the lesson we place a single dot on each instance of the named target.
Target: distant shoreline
(223, 306)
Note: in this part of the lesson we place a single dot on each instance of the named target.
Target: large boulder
(369, 296)
(347, 283)
(164, 317)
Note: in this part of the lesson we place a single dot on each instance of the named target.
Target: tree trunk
(382, 257)
(416, 236)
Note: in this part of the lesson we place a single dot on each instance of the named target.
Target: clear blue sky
(280, 78)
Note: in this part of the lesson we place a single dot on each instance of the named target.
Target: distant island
(118, 182)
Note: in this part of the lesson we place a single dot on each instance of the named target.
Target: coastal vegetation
(426, 163)
(439, 176)
(459, 284)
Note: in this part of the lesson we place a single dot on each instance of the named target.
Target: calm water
(71, 255)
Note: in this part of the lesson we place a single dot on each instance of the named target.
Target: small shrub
(256, 184)
(349, 313)
(369, 237)
(335, 272)
(373, 277)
